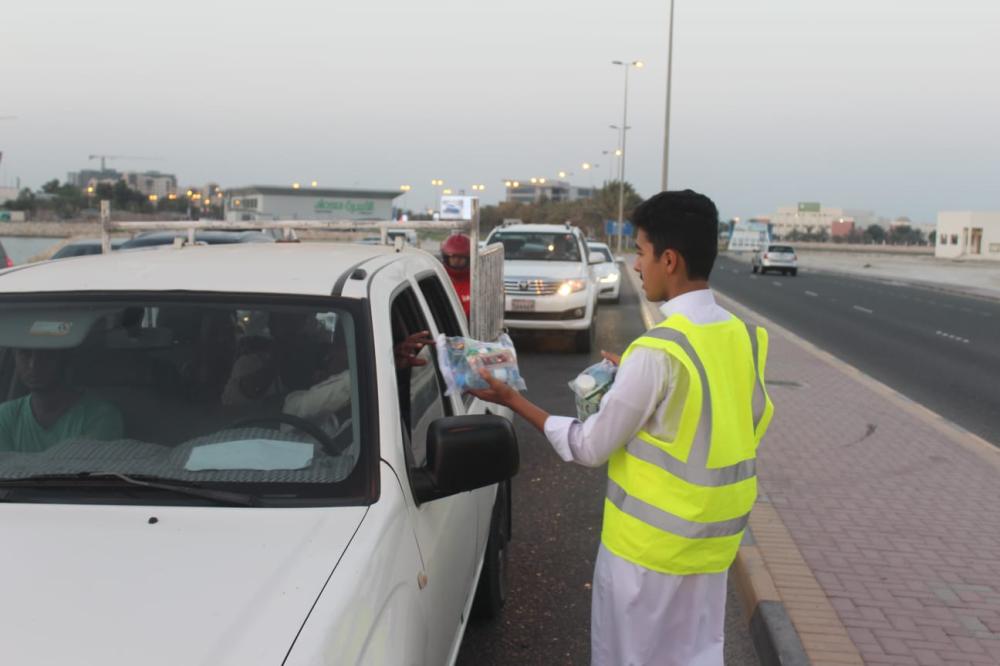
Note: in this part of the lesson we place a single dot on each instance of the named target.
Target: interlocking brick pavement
(895, 512)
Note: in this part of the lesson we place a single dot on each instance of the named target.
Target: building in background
(151, 182)
(968, 235)
(534, 190)
(266, 202)
(806, 217)
(842, 227)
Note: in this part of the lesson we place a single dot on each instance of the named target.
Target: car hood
(109, 585)
(562, 270)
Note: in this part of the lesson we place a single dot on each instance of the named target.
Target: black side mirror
(465, 453)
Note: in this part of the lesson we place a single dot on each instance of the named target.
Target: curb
(772, 631)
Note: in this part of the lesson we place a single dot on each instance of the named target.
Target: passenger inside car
(53, 409)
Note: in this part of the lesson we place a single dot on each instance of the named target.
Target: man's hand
(406, 351)
(614, 358)
(498, 392)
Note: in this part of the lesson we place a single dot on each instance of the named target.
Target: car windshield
(259, 397)
(780, 248)
(538, 246)
(603, 251)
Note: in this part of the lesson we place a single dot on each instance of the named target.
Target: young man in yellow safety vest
(679, 430)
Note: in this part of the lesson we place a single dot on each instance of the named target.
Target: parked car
(5, 260)
(548, 280)
(608, 274)
(250, 469)
(86, 247)
(775, 258)
(201, 237)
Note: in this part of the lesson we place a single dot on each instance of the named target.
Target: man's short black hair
(686, 222)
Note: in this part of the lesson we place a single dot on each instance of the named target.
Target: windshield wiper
(87, 479)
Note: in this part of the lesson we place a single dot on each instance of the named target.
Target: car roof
(268, 268)
(210, 236)
(597, 244)
(538, 228)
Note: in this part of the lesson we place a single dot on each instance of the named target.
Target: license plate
(522, 305)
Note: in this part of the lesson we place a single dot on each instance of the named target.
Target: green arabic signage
(345, 205)
(809, 207)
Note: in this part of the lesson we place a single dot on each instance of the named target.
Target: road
(557, 520)
(938, 349)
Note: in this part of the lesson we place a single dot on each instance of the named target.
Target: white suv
(240, 460)
(549, 280)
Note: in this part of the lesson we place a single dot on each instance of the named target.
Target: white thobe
(640, 616)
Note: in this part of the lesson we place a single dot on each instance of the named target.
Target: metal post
(105, 223)
(666, 130)
(621, 164)
(474, 264)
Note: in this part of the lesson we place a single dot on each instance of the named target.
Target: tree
(875, 233)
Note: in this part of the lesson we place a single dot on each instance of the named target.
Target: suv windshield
(538, 246)
(255, 397)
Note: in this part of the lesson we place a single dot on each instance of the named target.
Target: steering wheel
(298, 423)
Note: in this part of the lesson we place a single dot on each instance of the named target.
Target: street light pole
(621, 163)
(666, 130)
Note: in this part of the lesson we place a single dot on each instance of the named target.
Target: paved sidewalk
(894, 511)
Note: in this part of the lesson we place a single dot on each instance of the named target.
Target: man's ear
(671, 258)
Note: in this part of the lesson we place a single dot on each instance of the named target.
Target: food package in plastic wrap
(461, 359)
(590, 386)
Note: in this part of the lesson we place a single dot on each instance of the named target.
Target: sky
(886, 105)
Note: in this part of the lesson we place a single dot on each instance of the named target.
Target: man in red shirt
(455, 257)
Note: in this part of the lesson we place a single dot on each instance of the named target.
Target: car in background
(780, 258)
(608, 274)
(548, 280)
(5, 260)
(82, 248)
(201, 237)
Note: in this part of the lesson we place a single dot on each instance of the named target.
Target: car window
(263, 396)
(421, 394)
(780, 248)
(538, 246)
(440, 305)
(604, 252)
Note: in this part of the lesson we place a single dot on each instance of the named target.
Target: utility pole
(666, 130)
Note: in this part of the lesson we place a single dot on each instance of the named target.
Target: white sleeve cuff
(557, 430)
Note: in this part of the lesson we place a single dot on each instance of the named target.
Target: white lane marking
(776, 283)
(811, 293)
(861, 309)
(753, 277)
(950, 336)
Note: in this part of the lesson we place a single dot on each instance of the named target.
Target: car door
(446, 528)
(444, 320)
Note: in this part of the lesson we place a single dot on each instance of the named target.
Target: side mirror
(595, 258)
(465, 453)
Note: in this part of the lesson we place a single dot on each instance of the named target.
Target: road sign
(611, 228)
(456, 208)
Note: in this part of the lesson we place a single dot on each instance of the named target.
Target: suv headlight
(571, 286)
(610, 278)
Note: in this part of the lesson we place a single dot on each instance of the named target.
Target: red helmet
(455, 254)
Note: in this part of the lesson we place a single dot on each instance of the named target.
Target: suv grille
(529, 287)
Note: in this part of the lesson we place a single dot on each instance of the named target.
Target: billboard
(809, 207)
(456, 208)
(749, 236)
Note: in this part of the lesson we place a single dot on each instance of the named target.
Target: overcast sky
(888, 105)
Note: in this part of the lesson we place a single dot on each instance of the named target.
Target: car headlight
(610, 278)
(570, 286)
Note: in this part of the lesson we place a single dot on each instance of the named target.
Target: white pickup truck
(218, 455)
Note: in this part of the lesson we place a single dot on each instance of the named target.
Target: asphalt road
(557, 520)
(938, 349)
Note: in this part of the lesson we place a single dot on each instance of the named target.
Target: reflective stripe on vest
(691, 519)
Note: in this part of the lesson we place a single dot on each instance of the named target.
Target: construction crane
(119, 157)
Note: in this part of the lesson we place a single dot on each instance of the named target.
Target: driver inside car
(53, 410)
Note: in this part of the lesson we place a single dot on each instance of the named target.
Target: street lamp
(478, 188)
(295, 186)
(315, 184)
(621, 164)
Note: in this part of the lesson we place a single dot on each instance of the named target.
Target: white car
(608, 274)
(235, 469)
(779, 258)
(549, 280)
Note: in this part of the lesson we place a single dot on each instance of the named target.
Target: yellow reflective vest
(681, 506)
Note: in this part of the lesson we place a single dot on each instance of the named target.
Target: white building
(805, 217)
(968, 235)
(307, 203)
(151, 182)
